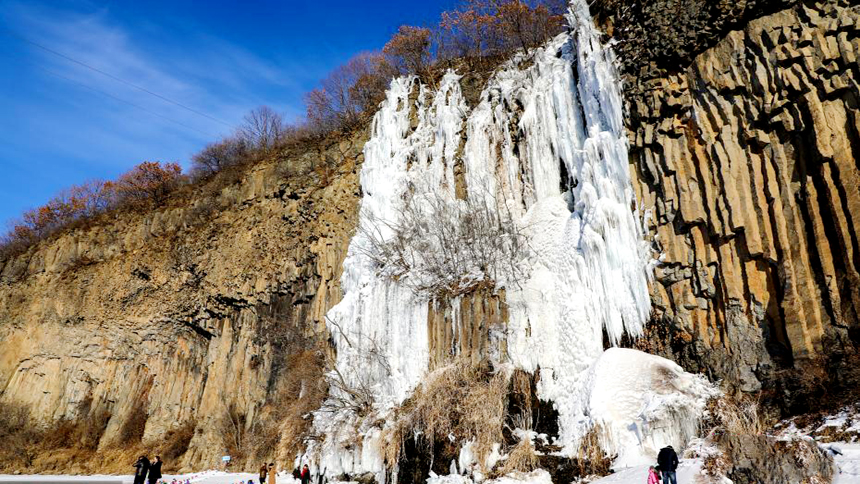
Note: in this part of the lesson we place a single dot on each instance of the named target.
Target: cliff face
(744, 145)
(748, 155)
(176, 314)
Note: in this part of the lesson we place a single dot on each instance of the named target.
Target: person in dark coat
(141, 468)
(155, 470)
(264, 471)
(306, 475)
(296, 474)
(667, 459)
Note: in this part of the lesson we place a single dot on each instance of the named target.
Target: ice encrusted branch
(350, 389)
(443, 246)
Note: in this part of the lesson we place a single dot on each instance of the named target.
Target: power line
(115, 78)
(127, 102)
(105, 93)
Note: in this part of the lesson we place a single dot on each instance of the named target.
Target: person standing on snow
(306, 475)
(155, 470)
(141, 468)
(264, 470)
(667, 460)
(272, 474)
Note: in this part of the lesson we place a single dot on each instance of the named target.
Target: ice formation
(643, 402)
(546, 147)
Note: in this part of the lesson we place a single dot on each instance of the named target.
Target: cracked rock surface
(178, 309)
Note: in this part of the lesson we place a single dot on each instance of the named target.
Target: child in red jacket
(653, 477)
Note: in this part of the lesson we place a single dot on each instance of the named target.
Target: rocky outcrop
(747, 157)
(658, 37)
(179, 314)
(750, 459)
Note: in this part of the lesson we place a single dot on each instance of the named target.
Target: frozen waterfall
(546, 147)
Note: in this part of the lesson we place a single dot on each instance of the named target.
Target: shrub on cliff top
(479, 28)
(262, 129)
(150, 181)
(225, 153)
(409, 49)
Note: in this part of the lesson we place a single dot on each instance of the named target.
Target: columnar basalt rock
(465, 326)
(177, 313)
(748, 157)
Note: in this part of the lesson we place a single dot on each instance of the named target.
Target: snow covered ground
(40, 479)
(848, 472)
(688, 471)
(205, 477)
(848, 464)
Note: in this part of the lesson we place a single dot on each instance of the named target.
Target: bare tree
(525, 25)
(348, 92)
(219, 155)
(349, 388)
(233, 423)
(262, 128)
(491, 27)
(409, 49)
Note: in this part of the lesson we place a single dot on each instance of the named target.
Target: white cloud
(205, 73)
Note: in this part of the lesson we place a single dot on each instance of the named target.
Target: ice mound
(643, 403)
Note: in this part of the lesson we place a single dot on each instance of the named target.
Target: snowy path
(848, 471)
(687, 471)
(848, 463)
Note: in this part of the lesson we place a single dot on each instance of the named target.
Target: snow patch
(539, 476)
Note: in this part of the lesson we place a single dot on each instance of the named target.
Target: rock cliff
(745, 146)
(179, 314)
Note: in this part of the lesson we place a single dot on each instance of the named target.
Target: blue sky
(62, 124)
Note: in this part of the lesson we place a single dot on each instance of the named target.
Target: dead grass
(738, 431)
(72, 446)
(464, 400)
(591, 459)
(303, 391)
(522, 458)
(283, 424)
(67, 446)
(175, 444)
(17, 436)
(733, 416)
(84, 434)
(521, 413)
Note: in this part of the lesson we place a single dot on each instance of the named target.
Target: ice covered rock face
(546, 148)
